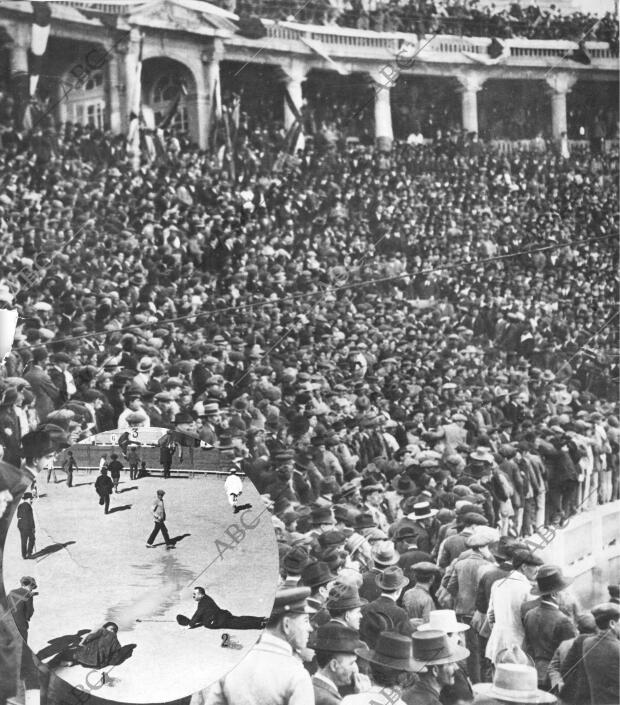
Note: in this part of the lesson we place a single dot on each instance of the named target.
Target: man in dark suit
(104, 487)
(545, 626)
(25, 524)
(60, 364)
(209, 615)
(46, 393)
(601, 655)
(383, 613)
(21, 604)
(337, 661)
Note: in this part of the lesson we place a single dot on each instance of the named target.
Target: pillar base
(384, 144)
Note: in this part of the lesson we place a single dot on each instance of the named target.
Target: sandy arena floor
(91, 568)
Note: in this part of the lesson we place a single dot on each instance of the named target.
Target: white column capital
(214, 52)
(561, 82)
(295, 72)
(383, 78)
(471, 81)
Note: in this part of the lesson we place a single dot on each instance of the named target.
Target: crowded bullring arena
(353, 267)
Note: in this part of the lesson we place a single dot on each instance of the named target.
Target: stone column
(559, 85)
(20, 34)
(471, 82)
(382, 83)
(131, 55)
(210, 91)
(295, 75)
(115, 91)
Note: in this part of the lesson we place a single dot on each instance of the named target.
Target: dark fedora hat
(315, 574)
(393, 651)
(344, 596)
(392, 578)
(364, 521)
(404, 485)
(183, 417)
(433, 648)
(337, 638)
(370, 484)
(322, 515)
(295, 560)
(549, 578)
(502, 549)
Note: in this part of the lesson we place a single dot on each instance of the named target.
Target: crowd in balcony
(470, 18)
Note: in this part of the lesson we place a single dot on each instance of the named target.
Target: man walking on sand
(104, 487)
(159, 516)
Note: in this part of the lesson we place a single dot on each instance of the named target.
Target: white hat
(444, 621)
(514, 683)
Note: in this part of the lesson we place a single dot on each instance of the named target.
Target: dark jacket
(104, 485)
(25, 517)
(376, 614)
(206, 612)
(601, 656)
(98, 649)
(22, 609)
(545, 629)
(369, 590)
(576, 689)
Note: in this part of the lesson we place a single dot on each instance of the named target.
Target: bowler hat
(391, 578)
(514, 683)
(344, 596)
(549, 578)
(291, 601)
(433, 648)
(316, 574)
(393, 651)
(337, 638)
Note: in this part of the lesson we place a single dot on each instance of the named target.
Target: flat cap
(292, 601)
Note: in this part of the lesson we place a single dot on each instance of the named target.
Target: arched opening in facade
(345, 103)
(163, 82)
(592, 110)
(259, 86)
(514, 109)
(425, 104)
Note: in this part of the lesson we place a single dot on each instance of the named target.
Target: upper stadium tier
(479, 64)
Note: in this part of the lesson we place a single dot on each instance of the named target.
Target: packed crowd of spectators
(406, 348)
(469, 18)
